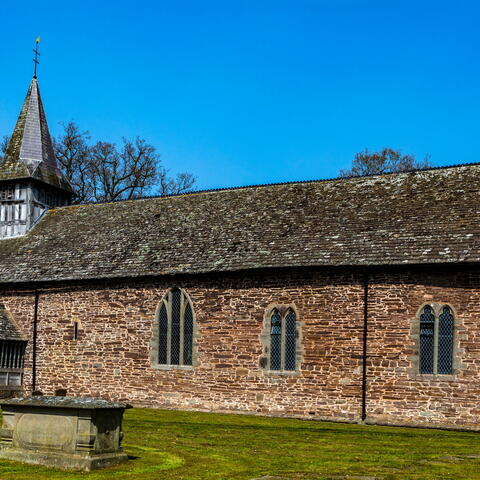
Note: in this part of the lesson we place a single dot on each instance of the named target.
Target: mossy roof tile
(430, 216)
(8, 328)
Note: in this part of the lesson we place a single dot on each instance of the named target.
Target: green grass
(187, 445)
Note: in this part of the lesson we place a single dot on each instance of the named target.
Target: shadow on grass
(344, 429)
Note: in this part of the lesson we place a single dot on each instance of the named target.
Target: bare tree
(386, 160)
(3, 146)
(73, 155)
(105, 172)
(124, 173)
(183, 182)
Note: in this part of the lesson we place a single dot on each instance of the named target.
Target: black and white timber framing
(30, 180)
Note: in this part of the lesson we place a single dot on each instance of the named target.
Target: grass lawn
(187, 445)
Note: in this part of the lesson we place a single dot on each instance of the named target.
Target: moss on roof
(428, 216)
(8, 328)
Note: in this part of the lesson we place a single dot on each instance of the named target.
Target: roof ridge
(273, 184)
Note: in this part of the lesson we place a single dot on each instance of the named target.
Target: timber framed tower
(30, 180)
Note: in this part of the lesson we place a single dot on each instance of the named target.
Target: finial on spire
(35, 60)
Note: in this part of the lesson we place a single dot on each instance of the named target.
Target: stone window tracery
(436, 340)
(281, 340)
(175, 330)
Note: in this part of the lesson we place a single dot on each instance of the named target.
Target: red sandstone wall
(111, 357)
(396, 392)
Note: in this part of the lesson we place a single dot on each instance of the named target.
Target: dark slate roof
(8, 328)
(30, 150)
(430, 216)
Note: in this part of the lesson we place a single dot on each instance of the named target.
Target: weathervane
(35, 60)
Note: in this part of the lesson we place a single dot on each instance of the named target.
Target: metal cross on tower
(35, 60)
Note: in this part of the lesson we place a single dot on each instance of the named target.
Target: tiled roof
(30, 150)
(8, 328)
(430, 216)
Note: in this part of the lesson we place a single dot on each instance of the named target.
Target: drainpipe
(34, 342)
(364, 356)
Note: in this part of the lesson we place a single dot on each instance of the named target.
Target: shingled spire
(30, 150)
(30, 179)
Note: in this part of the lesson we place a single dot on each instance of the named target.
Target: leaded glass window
(445, 341)
(427, 336)
(276, 341)
(436, 340)
(175, 329)
(283, 340)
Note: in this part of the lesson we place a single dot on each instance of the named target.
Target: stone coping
(64, 402)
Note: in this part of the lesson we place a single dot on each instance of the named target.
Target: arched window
(283, 340)
(445, 341)
(175, 329)
(436, 340)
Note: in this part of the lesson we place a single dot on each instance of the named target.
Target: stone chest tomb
(62, 432)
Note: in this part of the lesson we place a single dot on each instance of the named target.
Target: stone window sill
(186, 368)
(435, 377)
(282, 373)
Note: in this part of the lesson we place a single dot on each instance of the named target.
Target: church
(353, 300)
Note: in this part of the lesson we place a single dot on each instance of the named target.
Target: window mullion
(283, 344)
(269, 356)
(435, 345)
(182, 316)
(169, 329)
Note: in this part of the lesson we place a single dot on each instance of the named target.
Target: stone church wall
(111, 357)
(397, 393)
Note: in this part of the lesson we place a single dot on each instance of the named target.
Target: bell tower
(30, 179)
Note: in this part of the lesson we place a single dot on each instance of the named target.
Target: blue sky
(246, 92)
